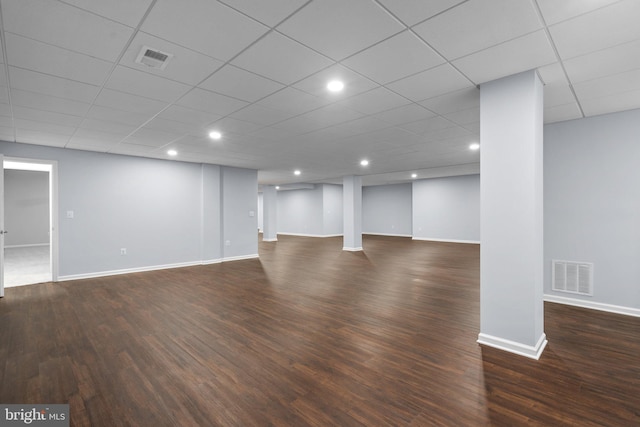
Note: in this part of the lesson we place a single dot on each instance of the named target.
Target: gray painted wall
(300, 211)
(164, 212)
(26, 207)
(592, 203)
(447, 208)
(387, 209)
(332, 206)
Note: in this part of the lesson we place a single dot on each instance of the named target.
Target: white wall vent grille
(573, 277)
(153, 58)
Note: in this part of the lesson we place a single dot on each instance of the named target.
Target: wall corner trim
(617, 309)
(532, 352)
(352, 249)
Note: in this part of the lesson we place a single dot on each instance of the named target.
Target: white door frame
(50, 166)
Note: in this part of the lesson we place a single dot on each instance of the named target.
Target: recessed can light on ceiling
(414, 175)
(214, 134)
(364, 162)
(172, 152)
(277, 187)
(297, 172)
(474, 146)
(335, 86)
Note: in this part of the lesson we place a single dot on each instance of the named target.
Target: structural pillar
(352, 213)
(269, 214)
(511, 251)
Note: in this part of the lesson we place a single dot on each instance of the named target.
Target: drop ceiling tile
(463, 117)
(262, 115)
(78, 143)
(331, 115)
(235, 126)
(292, 101)
(54, 104)
(44, 58)
(6, 122)
(553, 74)
(428, 125)
(46, 127)
(353, 83)
(558, 95)
(354, 25)
(269, 13)
(151, 137)
(622, 101)
(395, 58)
(118, 130)
(275, 134)
(131, 149)
(128, 12)
(66, 26)
(281, 59)
(166, 125)
(609, 85)
(5, 110)
(52, 86)
(46, 116)
(204, 100)
(186, 66)
(465, 28)
(126, 101)
(428, 84)
(188, 115)
(136, 82)
(118, 116)
(298, 125)
(517, 55)
(613, 60)
(241, 84)
(555, 11)
(404, 114)
(38, 137)
(454, 101)
(97, 135)
(560, 113)
(375, 101)
(600, 29)
(205, 26)
(413, 11)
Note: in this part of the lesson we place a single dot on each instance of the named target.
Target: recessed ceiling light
(474, 146)
(297, 172)
(172, 152)
(414, 175)
(277, 187)
(214, 134)
(364, 162)
(335, 86)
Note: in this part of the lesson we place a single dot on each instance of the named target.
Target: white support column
(511, 251)
(352, 214)
(269, 214)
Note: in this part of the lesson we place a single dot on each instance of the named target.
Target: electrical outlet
(123, 251)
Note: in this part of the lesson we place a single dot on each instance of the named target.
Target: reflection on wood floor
(309, 335)
(26, 265)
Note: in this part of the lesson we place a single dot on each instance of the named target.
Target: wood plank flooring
(309, 335)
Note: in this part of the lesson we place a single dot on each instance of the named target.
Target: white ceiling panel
(269, 13)
(231, 125)
(204, 100)
(136, 82)
(555, 11)
(44, 126)
(404, 114)
(99, 145)
(454, 101)
(559, 113)
(52, 86)
(281, 59)
(38, 137)
(5, 109)
(44, 58)
(92, 128)
(46, 116)
(463, 117)
(609, 85)
(354, 83)
(465, 28)
(188, 115)
(600, 29)
(262, 115)
(429, 125)
(166, 125)
(558, 95)
(627, 100)
(395, 58)
(186, 66)
(128, 12)
(420, 86)
(241, 84)
(413, 11)
(292, 101)
(118, 116)
(206, 26)
(40, 101)
(151, 137)
(354, 25)
(614, 60)
(66, 26)
(127, 102)
(553, 74)
(375, 101)
(517, 55)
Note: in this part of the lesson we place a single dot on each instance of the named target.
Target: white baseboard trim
(386, 234)
(32, 245)
(532, 352)
(429, 239)
(352, 249)
(310, 235)
(618, 309)
(270, 240)
(152, 268)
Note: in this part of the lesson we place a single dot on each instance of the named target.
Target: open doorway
(30, 251)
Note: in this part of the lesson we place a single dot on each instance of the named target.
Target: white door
(2, 230)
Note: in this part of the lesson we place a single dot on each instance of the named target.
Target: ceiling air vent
(153, 58)
(573, 277)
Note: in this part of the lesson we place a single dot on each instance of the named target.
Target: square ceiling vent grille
(153, 58)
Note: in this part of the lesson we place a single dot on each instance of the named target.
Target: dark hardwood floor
(309, 335)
